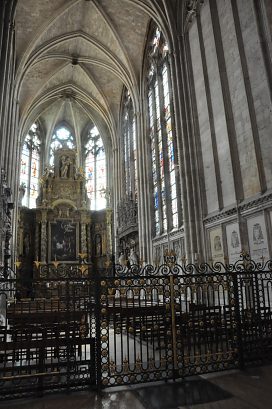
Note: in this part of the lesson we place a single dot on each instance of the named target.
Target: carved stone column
(5, 220)
(37, 241)
(109, 231)
(83, 235)
(44, 238)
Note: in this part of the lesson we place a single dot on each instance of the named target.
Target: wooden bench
(43, 327)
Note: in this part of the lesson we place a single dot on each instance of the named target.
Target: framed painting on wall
(63, 244)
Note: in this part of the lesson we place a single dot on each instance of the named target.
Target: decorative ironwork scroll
(132, 324)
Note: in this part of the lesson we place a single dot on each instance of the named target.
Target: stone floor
(250, 389)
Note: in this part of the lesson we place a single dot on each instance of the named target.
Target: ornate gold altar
(62, 226)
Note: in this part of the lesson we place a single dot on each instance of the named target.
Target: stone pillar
(109, 231)
(83, 235)
(144, 216)
(44, 239)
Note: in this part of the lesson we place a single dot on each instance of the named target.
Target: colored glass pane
(95, 169)
(29, 171)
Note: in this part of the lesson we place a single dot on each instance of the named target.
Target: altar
(62, 226)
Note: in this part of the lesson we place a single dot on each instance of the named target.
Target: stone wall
(230, 48)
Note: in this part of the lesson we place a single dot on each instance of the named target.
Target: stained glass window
(162, 136)
(62, 138)
(30, 167)
(95, 168)
(128, 143)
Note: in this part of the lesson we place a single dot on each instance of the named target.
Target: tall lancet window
(61, 138)
(95, 168)
(162, 136)
(30, 167)
(128, 143)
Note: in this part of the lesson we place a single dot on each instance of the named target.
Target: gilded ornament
(111, 291)
(112, 367)
(125, 365)
(138, 364)
(18, 264)
(151, 363)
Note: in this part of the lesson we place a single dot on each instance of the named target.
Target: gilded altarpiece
(64, 226)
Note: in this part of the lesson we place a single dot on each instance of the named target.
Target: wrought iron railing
(80, 328)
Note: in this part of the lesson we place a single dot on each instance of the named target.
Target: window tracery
(128, 143)
(162, 136)
(61, 138)
(30, 167)
(95, 168)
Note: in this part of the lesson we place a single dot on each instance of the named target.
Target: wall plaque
(257, 236)
(234, 242)
(216, 243)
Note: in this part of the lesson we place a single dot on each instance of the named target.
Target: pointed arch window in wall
(62, 138)
(129, 148)
(162, 137)
(95, 168)
(30, 167)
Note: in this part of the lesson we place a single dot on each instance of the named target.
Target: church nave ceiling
(74, 57)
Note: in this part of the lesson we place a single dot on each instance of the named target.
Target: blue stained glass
(156, 201)
(159, 103)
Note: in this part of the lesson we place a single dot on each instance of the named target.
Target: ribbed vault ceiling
(73, 58)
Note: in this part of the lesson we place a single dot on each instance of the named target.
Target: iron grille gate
(77, 329)
(157, 327)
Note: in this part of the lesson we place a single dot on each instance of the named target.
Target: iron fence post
(173, 326)
(238, 328)
(97, 312)
(257, 308)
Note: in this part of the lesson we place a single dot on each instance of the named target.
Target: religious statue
(133, 257)
(47, 173)
(79, 174)
(122, 259)
(65, 164)
(22, 189)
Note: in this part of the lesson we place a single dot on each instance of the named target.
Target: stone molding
(246, 207)
(176, 234)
